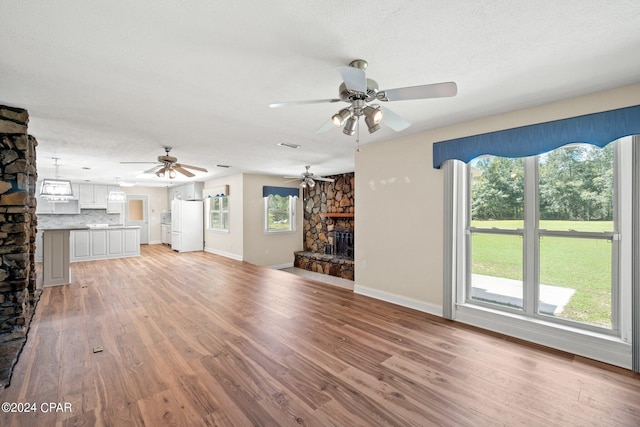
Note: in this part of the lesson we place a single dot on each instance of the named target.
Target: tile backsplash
(86, 216)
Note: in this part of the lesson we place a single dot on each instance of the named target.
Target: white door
(136, 212)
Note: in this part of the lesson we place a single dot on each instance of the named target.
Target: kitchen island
(104, 242)
(60, 246)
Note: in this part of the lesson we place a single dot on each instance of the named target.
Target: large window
(279, 213)
(219, 213)
(543, 239)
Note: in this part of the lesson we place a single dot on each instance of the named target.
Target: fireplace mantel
(338, 215)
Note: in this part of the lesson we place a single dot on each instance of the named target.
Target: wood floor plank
(199, 339)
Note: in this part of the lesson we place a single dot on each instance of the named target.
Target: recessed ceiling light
(223, 166)
(286, 144)
(84, 168)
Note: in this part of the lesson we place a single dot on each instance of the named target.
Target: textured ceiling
(115, 81)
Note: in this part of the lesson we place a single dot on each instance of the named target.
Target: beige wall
(228, 244)
(275, 249)
(246, 239)
(158, 202)
(399, 201)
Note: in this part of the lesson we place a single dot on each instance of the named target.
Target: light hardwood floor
(197, 339)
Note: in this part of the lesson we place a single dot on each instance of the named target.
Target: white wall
(229, 244)
(399, 201)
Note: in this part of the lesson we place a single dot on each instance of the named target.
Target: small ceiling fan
(309, 179)
(359, 91)
(167, 166)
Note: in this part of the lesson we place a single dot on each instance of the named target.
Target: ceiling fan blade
(393, 120)
(318, 178)
(154, 169)
(137, 163)
(292, 177)
(436, 90)
(195, 168)
(313, 101)
(183, 171)
(354, 78)
(326, 126)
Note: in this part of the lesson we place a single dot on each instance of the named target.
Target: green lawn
(580, 264)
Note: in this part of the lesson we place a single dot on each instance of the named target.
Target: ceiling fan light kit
(308, 182)
(309, 179)
(350, 126)
(168, 166)
(340, 117)
(359, 91)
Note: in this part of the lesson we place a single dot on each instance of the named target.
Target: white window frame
(291, 216)
(221, 211)
(608, 346)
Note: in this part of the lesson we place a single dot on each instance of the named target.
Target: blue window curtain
(280, 191)
(598, 129)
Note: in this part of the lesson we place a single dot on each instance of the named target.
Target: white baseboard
(224, 254)
(155, 242)
(399, 300)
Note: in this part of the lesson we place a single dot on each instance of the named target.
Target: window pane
(225, 203)
(497, 192)
(576, 188)
(215, 220)
(278, 214)
(496, 269)
(225, 221)
(575, 279)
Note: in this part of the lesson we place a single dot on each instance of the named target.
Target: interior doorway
(136, 213)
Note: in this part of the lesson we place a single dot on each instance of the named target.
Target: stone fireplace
(18, 293)
(329, 219)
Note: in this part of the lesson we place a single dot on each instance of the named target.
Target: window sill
(603, 347)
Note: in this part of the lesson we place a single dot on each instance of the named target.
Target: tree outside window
(279, 213)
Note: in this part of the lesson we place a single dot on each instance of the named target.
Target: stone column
(17, 235)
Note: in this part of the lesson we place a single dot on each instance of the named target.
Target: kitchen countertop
(90, 227)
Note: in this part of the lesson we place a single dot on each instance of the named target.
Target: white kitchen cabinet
(115, 242)
(189, 191)
(130, 242)
(166, 234)
(98, 243)
(104, 243)
(93, 196)
(80, 245)
(71, 207)
(43, 206)
(114, 207)
(192, 191)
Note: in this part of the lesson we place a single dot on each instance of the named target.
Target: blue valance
(598, 129)
(280, 191)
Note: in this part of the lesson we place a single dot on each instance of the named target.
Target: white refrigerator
(187, 225)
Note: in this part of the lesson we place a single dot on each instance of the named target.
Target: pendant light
(56, 190)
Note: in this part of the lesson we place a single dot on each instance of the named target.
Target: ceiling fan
(359, 91)
(309, 179)
(167, 166)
